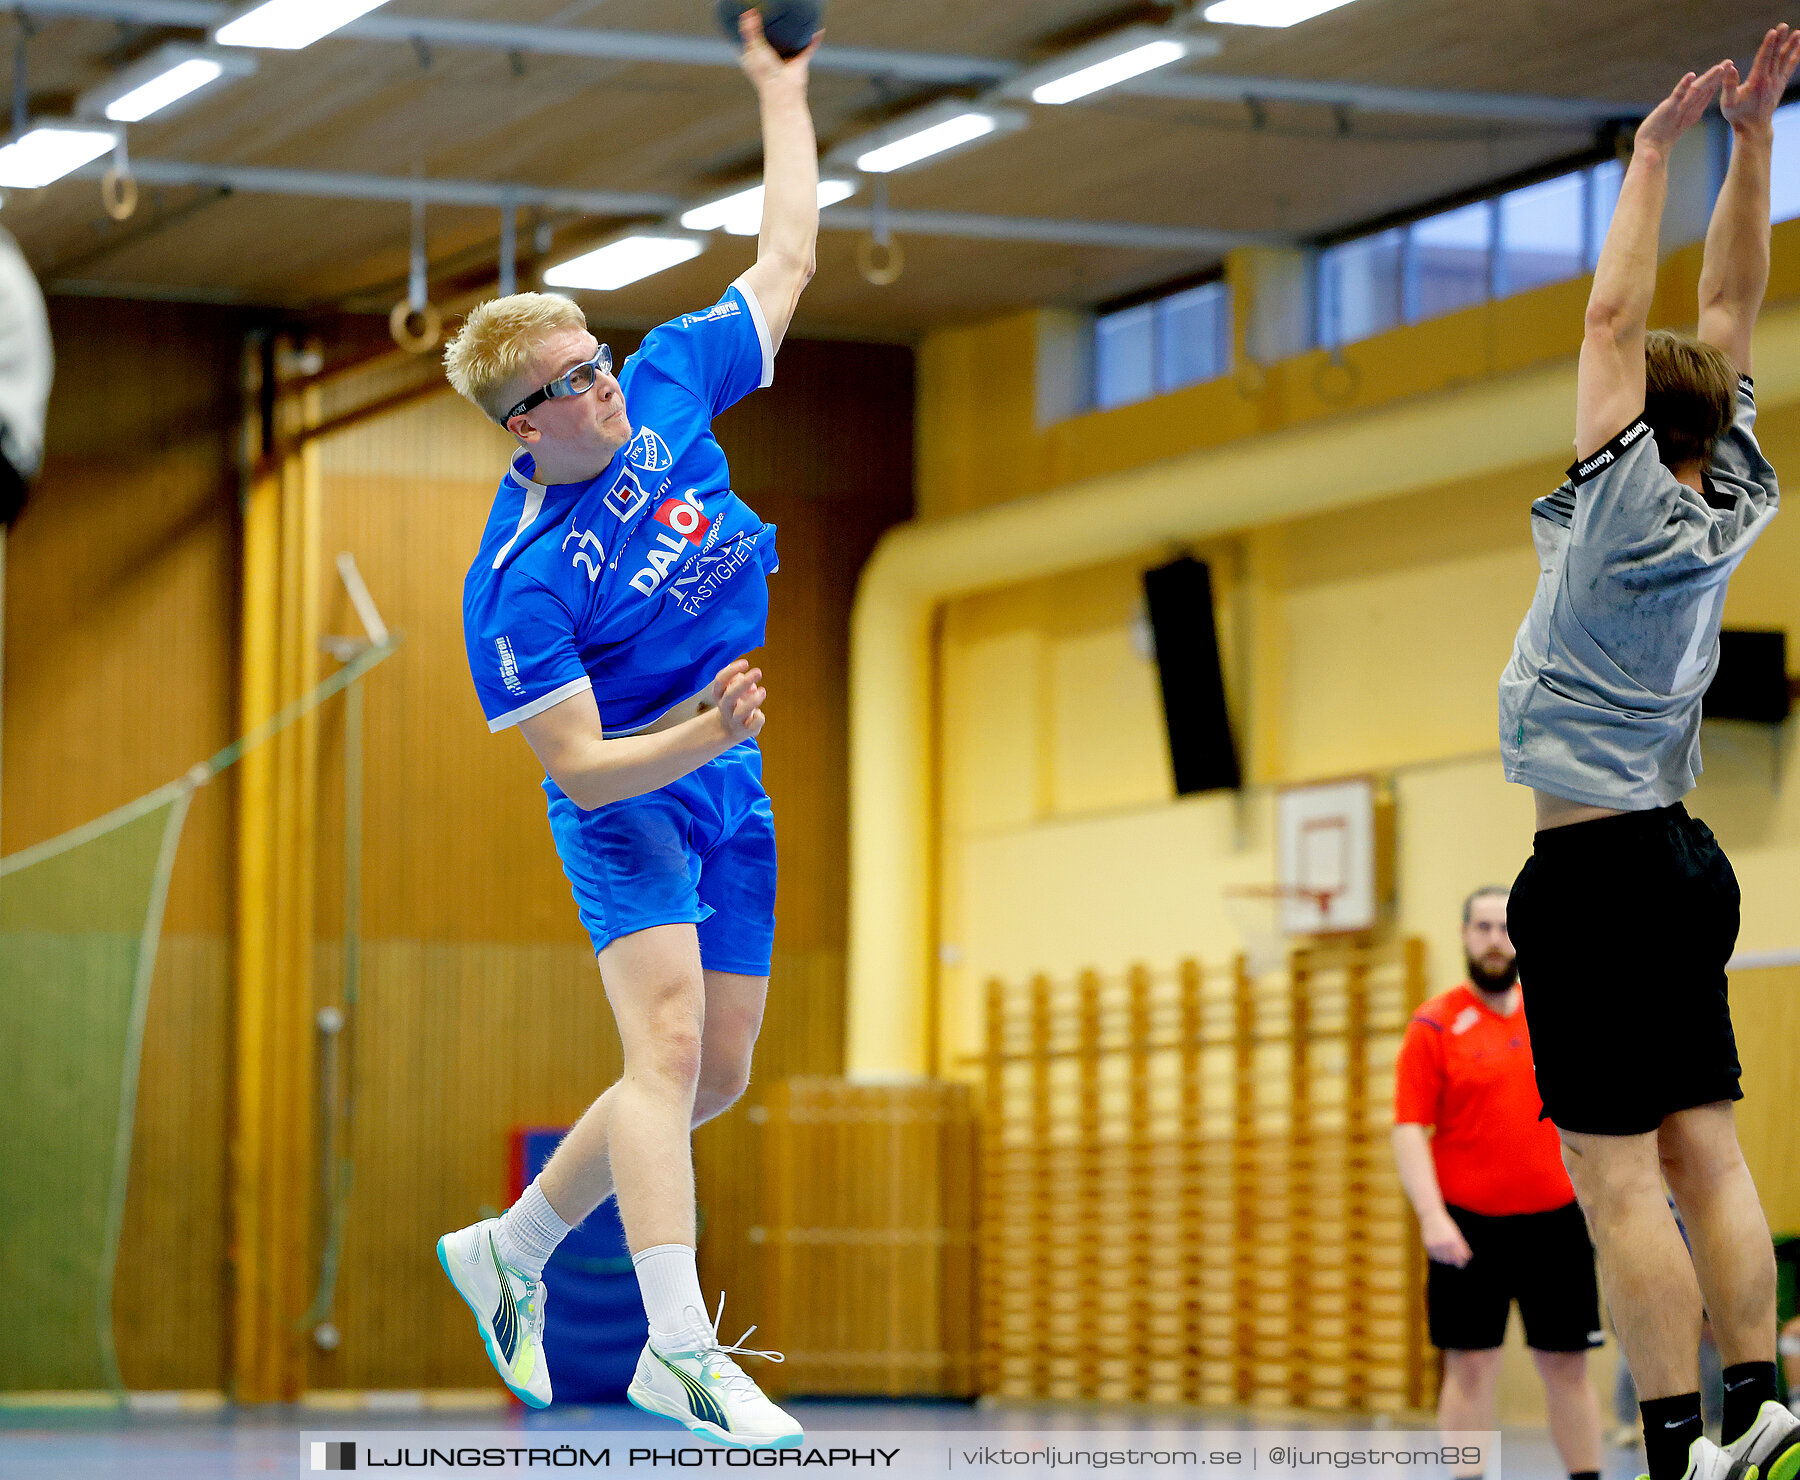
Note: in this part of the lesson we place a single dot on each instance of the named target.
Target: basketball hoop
(1267, 917)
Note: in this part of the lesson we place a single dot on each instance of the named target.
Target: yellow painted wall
(978, 442)
(1364, 640)
(1393, 622)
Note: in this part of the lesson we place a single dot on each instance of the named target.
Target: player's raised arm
(1735, 271)
(790, 219)
(1610, 385)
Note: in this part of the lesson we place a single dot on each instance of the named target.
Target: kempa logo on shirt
(1607, 455)
(1465, 1020)
(509, 666)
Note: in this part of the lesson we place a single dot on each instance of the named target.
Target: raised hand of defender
(738, 695)
(762, 64)
(1681, 110)
(1751, 101)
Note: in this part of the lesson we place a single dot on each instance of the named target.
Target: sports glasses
(575, 382)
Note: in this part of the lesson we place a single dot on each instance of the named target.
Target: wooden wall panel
(481, 1007)
(1187, 1194)
(121, 636)
(868, 1238)
(1765, 1010)
(121, 585)
(169, 1302)
(455, 1044)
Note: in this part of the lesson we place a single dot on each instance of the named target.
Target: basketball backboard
(1327, 849)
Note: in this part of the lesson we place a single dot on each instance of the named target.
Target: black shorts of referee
(1623, 926)
(1542, 1260)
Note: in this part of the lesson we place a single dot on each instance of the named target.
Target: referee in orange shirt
(1496, 1211)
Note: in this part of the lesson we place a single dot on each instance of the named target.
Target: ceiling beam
(905, 66)
(488, 195)
(400, 189)
(1213, 87)
(568, 41)
(1121, 234)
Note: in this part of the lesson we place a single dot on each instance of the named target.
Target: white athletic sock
(529, 1232)
(671, 1288)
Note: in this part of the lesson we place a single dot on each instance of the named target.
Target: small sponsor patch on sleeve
(1598, 462)
(509, 666)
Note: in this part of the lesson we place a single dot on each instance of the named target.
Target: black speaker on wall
(1180, 602)
(1752, 681)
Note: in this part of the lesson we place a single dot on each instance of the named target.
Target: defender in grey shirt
(1626, 913)
(1601, 701)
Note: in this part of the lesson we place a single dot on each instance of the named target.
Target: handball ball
(788, 24)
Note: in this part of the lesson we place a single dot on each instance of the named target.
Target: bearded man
(1496, 1211)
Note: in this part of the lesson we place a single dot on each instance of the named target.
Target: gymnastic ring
(118, 193)
(889, 269)
(1347, 384)
(400, 325)
(1250, 379)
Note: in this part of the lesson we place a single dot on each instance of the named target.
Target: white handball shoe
(508, 1306)
(1771, 1445)
(1706, 1461)
(701, 1388)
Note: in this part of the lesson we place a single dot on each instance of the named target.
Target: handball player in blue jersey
(618, 583)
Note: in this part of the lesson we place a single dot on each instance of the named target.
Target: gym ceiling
(594, 116)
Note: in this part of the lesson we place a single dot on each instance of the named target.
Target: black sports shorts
(1542, 1260)
(1623, 926)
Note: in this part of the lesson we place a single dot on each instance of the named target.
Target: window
(1452, 254)
(1784, 179)
(1193, 341)
(1524, 238)
(1160, 346)
(1606, 178)
(1543, 234)
(1360, 287)
(1125, 356)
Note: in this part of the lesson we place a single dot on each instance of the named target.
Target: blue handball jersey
(646, 580)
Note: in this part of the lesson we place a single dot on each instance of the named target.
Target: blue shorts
(700, 851)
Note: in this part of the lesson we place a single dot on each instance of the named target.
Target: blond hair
(498, 337)
(1690, 396)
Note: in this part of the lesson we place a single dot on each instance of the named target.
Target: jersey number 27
(581, 556)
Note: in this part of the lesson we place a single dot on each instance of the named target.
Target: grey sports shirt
(1600, 702)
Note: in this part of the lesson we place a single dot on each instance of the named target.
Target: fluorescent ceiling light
(161, 80)
(288, 25)
(1268, 12)
(924, 134)
(156, 94)
(1108, 62)
(1097, 75)
(624, 261)
(952, 133)
(741, 214)
(50, 151)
